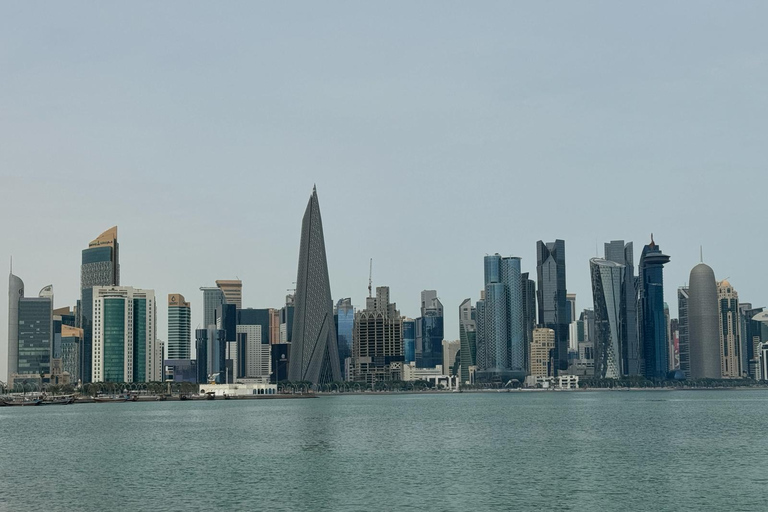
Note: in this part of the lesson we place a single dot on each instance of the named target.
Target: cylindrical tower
(15, 293)
(703, 324)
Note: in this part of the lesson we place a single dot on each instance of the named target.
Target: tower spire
(701, 253)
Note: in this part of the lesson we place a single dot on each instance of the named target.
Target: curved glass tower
(608, 296)
(314, 351)
(653, 323)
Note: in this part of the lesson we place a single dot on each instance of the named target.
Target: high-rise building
(551, 294)
(502, 350)
(631, 351)
(429, 331)
(730, 331)
(377, 347)
(653, 324)
(703, 324)
(179, 327)
(100, 267)
(213, 297)
(125, 347)
(30, 331)
(684, 347)
(542, 350)
(286, 319)
(751, 338)
(232, 290)
(409, 340)
(71, 340)
(344, 316)
(529, 312)
(253, 354)
(211, 354)
(314, 347)
(467, 340)
(608, 296)
(450, 351)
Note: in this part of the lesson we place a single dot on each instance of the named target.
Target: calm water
(673, 450)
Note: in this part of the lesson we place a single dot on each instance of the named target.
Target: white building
(450, 349)
(247, 387)
(258, 361)
(125, 348)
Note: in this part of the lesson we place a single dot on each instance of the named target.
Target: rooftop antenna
(701, 253)
(370, 278)
(11, 264)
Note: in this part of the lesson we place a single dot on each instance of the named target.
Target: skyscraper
(377, 348)
(409, 340)
(100, 267)
(553, 307)
(429, 331)
(607, 278)
(232, 290)
(213, 297)
(730, 331)
(631, 355)
(125, 347)
(652, 322)
(703, 324)
(542, 349)
(30, 331)
(751, 337)
(344, 315)
(179, 327)
(684, 347)
(467, 340)
(529, 312)
(502, 347)
(314, 352)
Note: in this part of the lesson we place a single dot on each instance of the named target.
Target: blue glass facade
(551, 294)
(653, 323)
(501, 332)
(409, 341)
(35, 328)
(344, 316)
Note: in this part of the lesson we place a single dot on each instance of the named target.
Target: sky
(436, 132)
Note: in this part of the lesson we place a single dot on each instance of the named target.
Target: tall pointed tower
(314, 351)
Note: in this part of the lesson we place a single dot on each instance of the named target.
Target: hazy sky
(436, 132)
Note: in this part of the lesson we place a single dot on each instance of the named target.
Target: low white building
(247, 387)
(412, 373)
(560, 382)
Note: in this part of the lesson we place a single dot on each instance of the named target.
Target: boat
(20, 402)
(58, 400)
(114, 398)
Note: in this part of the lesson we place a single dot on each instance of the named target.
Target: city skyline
(452, 126)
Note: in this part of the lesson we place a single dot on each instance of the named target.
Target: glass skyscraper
(409, 340)
(429, 331)
(467, 340)
(179, 327)
(344, 316)
(314, 352)
(551, 294)
(631, 351)
(607, 293)
(213, 297)
(100, 267)
(501, 351)
(653, 324)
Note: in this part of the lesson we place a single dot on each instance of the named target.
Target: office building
(450, 351)
(703, 324)
(467, 340)
(179, 327)
(608, 297)
(254, 347)
(314, 347)
(30, 331)
(181, 370)
(232, 290)
(529, 311)
(502, 350)
(280, 362)
(344, 316)
(100, 267)
(286, 320)
(653, 324)
(683, 344)
(542, 352)
(213, 298)
(409, 340)
(730, 331)
(551, 294)
(429, 331)
(631, 351)
(377, 346)
(125, 348)
(71, 340)
(211, 348)
(750, 339)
